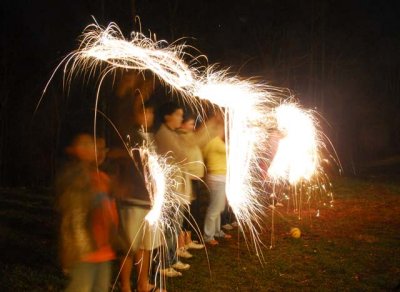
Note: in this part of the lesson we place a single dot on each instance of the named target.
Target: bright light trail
(251, 110)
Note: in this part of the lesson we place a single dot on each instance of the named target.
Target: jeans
(86, 277)
(212, 222)
(171, 234)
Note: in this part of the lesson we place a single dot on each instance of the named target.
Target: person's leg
(142, 258)
(225, 216)
(126, 270)
(81, 278)
(212, 222)
(181, 239)
(196, 217)
(103, 277)
(195, 208)
(131, 224)
(185, 226)
(171, 245)
(219, 189)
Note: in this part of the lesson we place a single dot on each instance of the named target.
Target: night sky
(339, 57)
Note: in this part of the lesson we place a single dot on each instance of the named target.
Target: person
(215, 158)
(169, 144)
(194, 140)
(228, 221)
(88, 217)
(128, 176)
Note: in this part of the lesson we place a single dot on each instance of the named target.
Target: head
(82, 148)
(188, 123)
(144, 115)
(142, 84)
(101, 150)
(171, 115)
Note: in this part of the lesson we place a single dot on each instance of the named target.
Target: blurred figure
(129, 186)
(228, 221)
(194, 140)
(169, 144)
(215, 158)
(88, 217)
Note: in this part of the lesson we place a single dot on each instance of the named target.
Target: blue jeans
(86, 277)
(212, 221)
(171, 238)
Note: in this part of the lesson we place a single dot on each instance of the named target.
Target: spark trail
(251, 110)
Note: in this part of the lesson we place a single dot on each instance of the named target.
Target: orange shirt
(104, 220)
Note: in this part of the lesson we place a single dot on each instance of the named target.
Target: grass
(354, 246)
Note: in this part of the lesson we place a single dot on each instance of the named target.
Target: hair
(189, 116)
(168, 109)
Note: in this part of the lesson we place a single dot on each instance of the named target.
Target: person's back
(88, 218)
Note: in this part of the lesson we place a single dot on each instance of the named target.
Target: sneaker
(170, 272)
(212, 242)
(234, 224)
(181, 266)
(182, 252)
(194, 245)
(227, 227)
(224, 236)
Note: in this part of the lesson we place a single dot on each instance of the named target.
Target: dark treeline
(339, 57)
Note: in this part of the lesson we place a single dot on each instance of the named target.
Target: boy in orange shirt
(88, 217)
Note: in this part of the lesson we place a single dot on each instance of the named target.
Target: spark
(160, 182)
(251, 110)
(297, 156)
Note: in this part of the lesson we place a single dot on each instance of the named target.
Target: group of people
(106, 194)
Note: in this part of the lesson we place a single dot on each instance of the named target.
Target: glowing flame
(297, 156)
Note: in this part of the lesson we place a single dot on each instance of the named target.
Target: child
(88, 217)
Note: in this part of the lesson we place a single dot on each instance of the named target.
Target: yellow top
(214, 154)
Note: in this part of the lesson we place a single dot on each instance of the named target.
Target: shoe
(170, 272)
(227, 227)
(234, 224)
(183, 253)
(212, 242)
(181, 266)
(194, 245)
(225, 236)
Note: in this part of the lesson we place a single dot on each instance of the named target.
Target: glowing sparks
(250, 107)
(140, 53)
(161, 185)
(297, 156)
(156, 179)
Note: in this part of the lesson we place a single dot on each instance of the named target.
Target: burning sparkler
(162, 188)
(248, 106)
(297, 156)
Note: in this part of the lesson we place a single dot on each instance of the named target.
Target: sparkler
(250, 107)
(297, 156)
(162, 188)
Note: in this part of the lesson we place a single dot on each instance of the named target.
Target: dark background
(339, 57)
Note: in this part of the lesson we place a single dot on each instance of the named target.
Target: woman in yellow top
(214, 154)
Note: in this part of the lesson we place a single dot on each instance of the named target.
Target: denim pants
(86, 277)
(171, 234)
(212, 221)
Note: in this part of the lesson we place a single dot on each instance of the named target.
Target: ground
(352, 246)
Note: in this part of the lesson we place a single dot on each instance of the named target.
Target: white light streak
(249, 108)
(297, 156)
